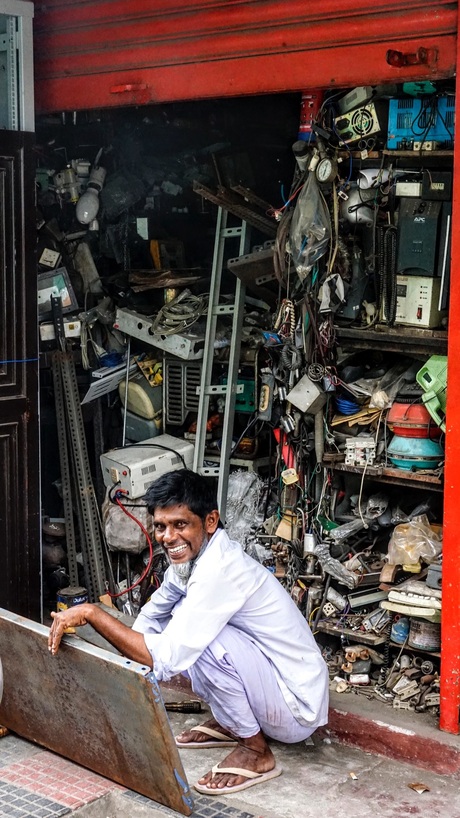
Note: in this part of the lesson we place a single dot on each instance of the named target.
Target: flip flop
(219, 739)
(253, 778)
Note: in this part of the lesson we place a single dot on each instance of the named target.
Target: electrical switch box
(417, 300)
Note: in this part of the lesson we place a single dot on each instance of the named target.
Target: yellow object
(289, 476)
(414, 568)
(155, 253)
(287, 528)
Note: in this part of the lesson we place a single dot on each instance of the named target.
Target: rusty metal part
(94, 707)
(256, 271)
(186, 706)
(231, 201)
(250, 196)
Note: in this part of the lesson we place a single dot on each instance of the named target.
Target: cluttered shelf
(385, 474)
(367, 638)
(411, 339)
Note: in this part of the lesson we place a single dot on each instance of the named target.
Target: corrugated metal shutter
(116, 52)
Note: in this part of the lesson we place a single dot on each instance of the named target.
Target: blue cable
(19, 361)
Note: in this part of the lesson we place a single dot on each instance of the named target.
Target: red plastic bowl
(412, 420)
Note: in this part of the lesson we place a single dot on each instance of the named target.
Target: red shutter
(116, 52)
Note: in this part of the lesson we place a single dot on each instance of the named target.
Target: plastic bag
(413, 542)
(244, 494)
(310, 228)
(122, 533)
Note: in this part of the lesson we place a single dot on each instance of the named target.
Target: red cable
(149, 564)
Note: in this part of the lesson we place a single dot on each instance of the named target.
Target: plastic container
(412, 420)
(415, 453)
(432, 377)
(400, 629)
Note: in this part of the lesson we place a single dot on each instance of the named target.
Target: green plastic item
(327, 525)
(245, 400)
(419, 89)
(432, 377)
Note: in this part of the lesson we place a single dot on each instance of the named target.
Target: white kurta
(228, 587)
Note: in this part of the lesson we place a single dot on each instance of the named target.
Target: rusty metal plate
(93, 707)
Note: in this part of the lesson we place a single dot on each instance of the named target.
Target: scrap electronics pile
(334, 472)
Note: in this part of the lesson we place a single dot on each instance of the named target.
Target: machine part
(309, 543)
(223, 235)
(105, 712)
(398, 704)
(326, 170)
(238, 201)
(187, 706)
(360, 123)
(339, 601)
(360, 451)
(315, 593)
(357, 208)
(310, 107)
(355, 98)
(359, 283)
(307, 396)
(434, 576)
(72, 329)
(66, 481)
(432, 699)
(255, 270)
(97, 572)
(359, 679)
(386, 255)
(436, 185)
(142, 398)
(185, 345)
(417, 300)
(266, 396)
(134, 468)
(411, 118)
(418, 228)
(181, 380)
(411, 190)
(329, 609)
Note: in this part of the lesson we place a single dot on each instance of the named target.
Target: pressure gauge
(326, 169)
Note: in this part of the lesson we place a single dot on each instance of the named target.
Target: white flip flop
(253, 778)
(218, 739)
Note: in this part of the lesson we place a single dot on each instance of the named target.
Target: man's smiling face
(181, 532)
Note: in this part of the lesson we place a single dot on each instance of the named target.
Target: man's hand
(71, 618)
(128, 642)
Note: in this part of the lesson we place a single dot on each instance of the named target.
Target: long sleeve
(215, 592)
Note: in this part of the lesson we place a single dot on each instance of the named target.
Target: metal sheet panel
(99, 53)
(94, 707)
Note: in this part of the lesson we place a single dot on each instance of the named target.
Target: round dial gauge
(326, 169)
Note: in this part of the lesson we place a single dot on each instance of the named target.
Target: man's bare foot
(252, 754)
(195, 737)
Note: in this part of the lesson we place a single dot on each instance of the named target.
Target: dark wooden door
(20, 581)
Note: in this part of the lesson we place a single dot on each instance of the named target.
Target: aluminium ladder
(224, 236)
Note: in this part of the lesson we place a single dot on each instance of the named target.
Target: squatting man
(224, 621)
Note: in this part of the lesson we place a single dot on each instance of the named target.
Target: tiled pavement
(35, 783)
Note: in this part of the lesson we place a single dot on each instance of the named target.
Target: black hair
(183, 487)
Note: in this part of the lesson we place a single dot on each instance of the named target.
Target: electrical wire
(180, 314)
(150, 545)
